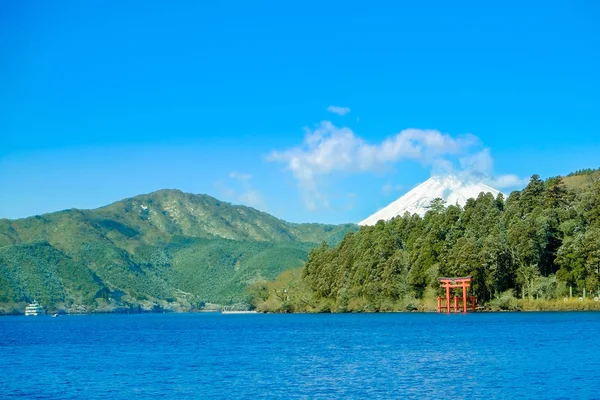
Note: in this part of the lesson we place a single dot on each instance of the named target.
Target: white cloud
(330, 149)
(338, 110)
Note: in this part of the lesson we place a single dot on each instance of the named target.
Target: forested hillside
(541, 243)
(164, 250)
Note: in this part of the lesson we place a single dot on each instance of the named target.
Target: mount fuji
(450, 188)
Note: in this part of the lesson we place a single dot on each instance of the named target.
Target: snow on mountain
(450, 188)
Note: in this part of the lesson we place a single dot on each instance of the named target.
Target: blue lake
(174, 356)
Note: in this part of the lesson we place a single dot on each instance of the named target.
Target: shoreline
(254, 312)
(424, 306)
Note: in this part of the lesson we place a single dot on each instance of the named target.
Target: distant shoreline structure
(239, 312)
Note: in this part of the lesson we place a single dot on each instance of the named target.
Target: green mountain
(167, 249)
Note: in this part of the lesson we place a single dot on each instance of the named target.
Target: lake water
(175, 356)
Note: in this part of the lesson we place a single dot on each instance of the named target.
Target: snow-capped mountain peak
(450, 188)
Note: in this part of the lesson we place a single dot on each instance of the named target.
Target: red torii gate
(456, 283)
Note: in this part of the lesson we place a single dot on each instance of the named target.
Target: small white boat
(34, 309)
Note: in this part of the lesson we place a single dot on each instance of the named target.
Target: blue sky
(102, 101)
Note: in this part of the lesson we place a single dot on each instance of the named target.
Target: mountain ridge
(146, 251)
(451, 189)
(173, 211)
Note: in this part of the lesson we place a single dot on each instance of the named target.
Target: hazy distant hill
(167, 248)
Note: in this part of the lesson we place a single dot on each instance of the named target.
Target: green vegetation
(587, 171)
(165, 250)
(527, 252)
(582, 178)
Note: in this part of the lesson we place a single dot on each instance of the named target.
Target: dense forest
(166, 250)
(541, 243)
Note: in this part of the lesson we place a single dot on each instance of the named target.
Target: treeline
(541, 243)
(585, 171)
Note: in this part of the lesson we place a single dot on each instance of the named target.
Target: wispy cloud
(389, 188)
(480, 165)
(244, 193)
(506, 181)
(338, 110)
(253, 198)
(240, 177)
(329, 149)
